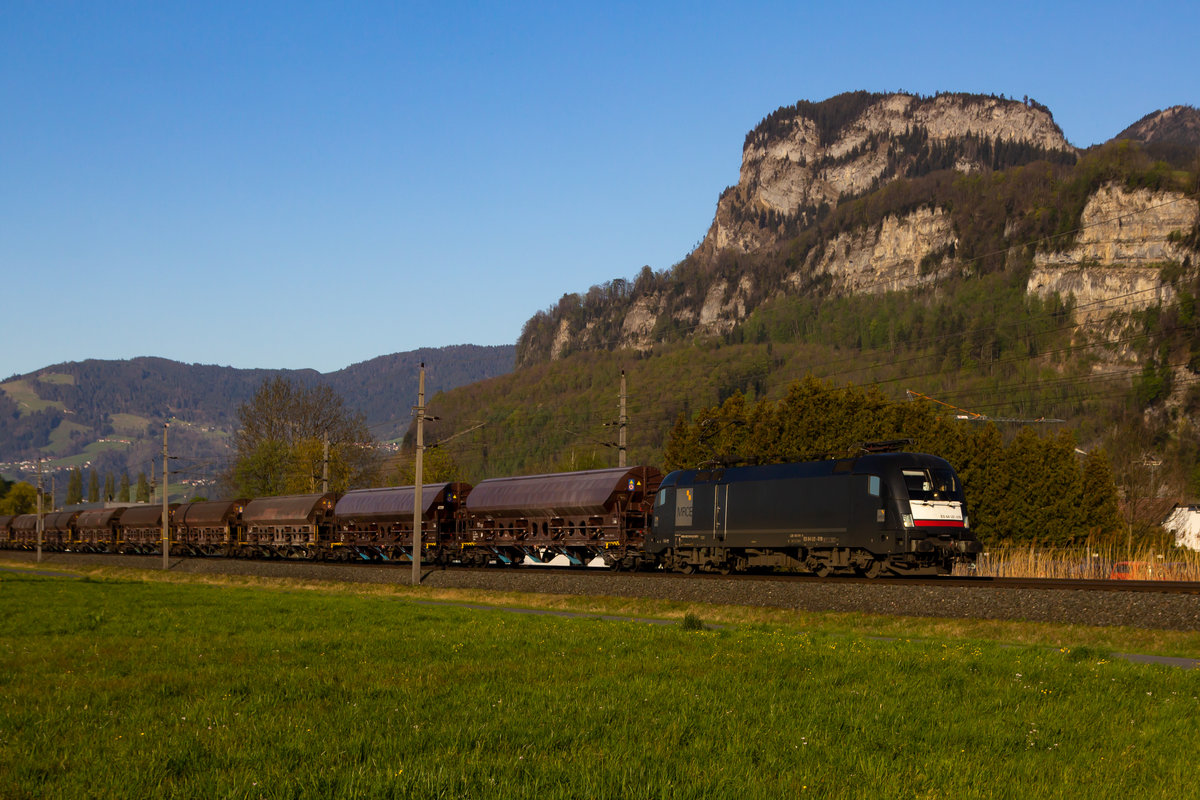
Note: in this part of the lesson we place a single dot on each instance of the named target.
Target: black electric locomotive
(898, 512)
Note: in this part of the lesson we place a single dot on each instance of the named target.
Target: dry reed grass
(1097, 562)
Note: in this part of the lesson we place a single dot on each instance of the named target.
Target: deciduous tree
(21, 498)
(280, 442)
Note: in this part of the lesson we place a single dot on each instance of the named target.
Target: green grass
(62, 441)
(26, 397)
(119, 687)
(58, 378)
(129, 424)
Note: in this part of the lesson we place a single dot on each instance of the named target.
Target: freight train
(900, 513)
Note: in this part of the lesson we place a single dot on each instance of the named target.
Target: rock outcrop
(1125, 239)
(792, 164)
(886, 257)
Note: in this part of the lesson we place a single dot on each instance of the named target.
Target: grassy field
(124, 684)
(25, 396)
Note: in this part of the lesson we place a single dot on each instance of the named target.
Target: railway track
(402, 572)
(1162, 605)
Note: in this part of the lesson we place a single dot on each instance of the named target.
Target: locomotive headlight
(966, 521)
(908, 521)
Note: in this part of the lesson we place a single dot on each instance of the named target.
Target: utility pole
(40, 522)
(165, 511)
(418, 477)
(325, 466)
(622, 421)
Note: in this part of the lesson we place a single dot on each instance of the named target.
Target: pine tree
(109, 489)
(93, 487)
(143, 489)
(123, 495)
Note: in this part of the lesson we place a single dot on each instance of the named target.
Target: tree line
(139, 493)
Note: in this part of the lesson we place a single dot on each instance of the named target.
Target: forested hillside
(108, 415)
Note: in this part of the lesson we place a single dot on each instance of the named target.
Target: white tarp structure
(1184, 522)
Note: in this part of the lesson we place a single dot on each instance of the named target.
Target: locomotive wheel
(821, 570)
(872, 570)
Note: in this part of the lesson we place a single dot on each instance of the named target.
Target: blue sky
(313, 185)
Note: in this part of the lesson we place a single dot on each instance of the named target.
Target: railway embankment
(1137, 607)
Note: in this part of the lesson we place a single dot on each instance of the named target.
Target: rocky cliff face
(881, 258)
(1125, 239)
(797, 162)
(886, 257)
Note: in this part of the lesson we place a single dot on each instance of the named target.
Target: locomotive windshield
(931, 484)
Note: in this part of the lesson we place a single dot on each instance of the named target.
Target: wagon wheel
(821, 570)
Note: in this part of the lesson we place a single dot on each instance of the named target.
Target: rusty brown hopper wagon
(58, 530)
(580, 515)
(24, 531)
(99, 531)
(208, 527)
(378, 523)
(294, 526)
(6, 533)
(142, 527)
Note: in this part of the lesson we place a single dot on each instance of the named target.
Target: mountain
(109, 414)
(869, 194)
(1177, 125)
(956, 247)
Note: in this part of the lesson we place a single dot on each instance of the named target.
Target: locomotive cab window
(937, 484)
